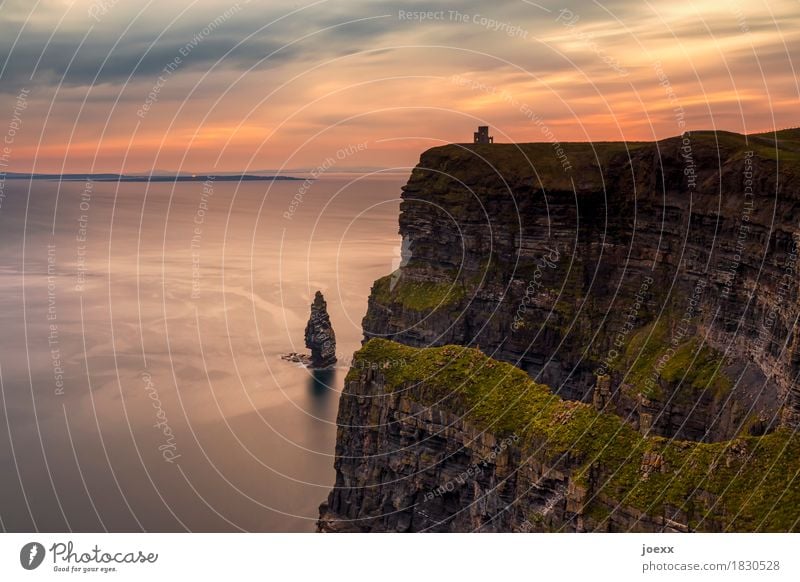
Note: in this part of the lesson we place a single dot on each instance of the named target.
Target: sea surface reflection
(142, 328)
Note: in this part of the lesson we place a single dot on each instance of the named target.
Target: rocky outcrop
(320, 337)
(448, 440)
(641, 262)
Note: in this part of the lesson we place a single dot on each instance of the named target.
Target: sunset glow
(123, 87)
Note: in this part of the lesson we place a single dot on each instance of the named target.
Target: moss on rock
(652, 353)
(417, 295)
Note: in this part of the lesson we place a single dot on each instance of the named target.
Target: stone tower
(482, 135)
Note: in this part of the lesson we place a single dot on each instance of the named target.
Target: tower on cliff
(482, 135)
(320, 338)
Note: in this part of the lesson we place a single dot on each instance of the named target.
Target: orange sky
(123, 86)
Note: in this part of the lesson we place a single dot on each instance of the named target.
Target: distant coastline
(147, 178)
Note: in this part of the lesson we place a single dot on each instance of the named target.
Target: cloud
(110, 52)
(333, 60)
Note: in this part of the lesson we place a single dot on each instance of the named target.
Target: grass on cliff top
(788, 144)
(751, 479)
(509, 159)
(554, 167)
(417, 295)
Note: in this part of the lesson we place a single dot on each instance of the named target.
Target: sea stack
(320, 338)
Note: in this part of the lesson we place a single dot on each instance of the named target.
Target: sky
(212, 85)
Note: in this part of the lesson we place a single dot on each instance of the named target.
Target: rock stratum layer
(651, 286)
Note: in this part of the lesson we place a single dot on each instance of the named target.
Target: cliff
(651, 285)
(641, 263)
(447, 439)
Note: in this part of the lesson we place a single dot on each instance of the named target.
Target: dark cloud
(42, 57)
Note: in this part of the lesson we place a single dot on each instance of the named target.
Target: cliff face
(652, 286)
(671, 257)
(447, 439)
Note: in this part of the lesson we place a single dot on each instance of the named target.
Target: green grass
(694, 367)
(643, 351)
(745, 484)
(788, 145)
(417, 295)
(700, 368)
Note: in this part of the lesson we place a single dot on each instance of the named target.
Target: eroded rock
(320, 337)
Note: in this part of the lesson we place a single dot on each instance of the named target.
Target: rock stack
(320, 338)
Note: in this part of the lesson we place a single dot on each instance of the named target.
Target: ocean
(141, 329)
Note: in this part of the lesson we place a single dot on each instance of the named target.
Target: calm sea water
(141, 328)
